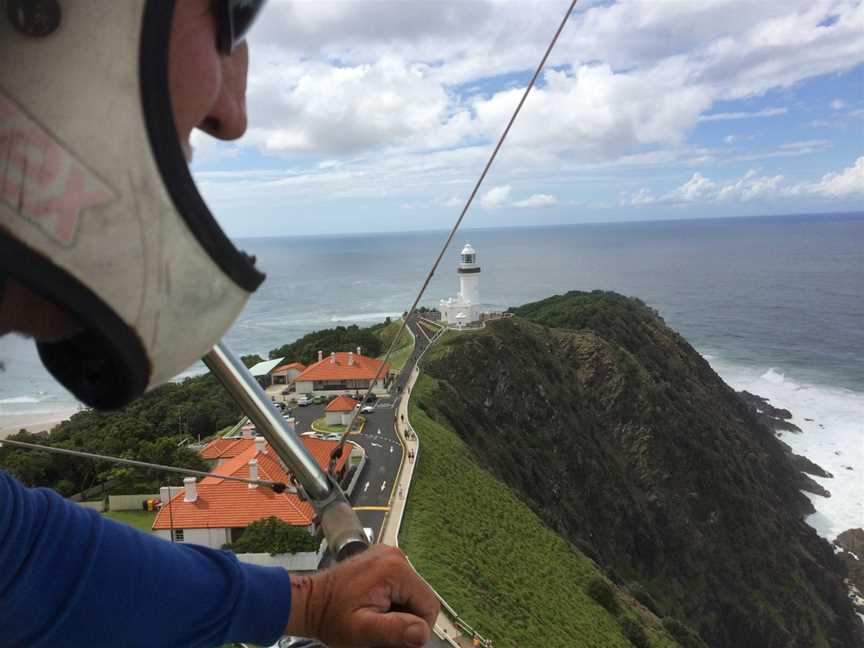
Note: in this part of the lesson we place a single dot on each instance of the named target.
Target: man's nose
(227, 118)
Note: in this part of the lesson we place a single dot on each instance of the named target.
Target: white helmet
(98, 210)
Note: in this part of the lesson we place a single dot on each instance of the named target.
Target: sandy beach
(34, 423)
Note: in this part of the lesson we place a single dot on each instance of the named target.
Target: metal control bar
(337, 519)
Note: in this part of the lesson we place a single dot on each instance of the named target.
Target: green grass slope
(404, 347)
(493, 560)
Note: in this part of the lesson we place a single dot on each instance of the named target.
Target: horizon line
(690, 219)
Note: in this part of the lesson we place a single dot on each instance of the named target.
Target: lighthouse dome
(468, 249)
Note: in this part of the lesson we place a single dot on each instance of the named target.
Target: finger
(392, 629)
(415, 595)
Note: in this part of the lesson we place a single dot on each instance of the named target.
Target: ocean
(776, 304)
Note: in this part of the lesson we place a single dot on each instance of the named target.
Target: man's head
(208, 87)
(114, 263)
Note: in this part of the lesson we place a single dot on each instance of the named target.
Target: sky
(372, 116)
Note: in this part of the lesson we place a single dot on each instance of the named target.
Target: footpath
(449, 628)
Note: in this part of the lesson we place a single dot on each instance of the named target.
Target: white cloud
(732, 139)
(849, 181)
(838, 104)
(728, 116)
(753, 186)
(537, 201)
(365, 75)
(337, 110)
(496, 197)
(641, 197)
(697, 188)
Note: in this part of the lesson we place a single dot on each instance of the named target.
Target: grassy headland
(404, 346)
(491, 557)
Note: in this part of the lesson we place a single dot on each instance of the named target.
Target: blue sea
(775, 303)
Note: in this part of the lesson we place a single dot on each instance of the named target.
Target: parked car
(303, 401)
(367, 409)
(319, 400)
(371, 398)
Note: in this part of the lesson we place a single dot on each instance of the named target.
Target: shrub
(272, 535)
(683, 634)
(600, 590)
(642, 595)
(635, 633)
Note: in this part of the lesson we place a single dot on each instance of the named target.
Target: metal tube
(246, 391)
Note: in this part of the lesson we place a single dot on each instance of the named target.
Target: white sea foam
(365, 317)
(832, 424)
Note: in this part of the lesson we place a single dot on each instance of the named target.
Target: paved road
(383, 457)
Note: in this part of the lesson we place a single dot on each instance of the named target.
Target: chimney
(191, 489)
(253, 472)
(350, 358)
(165, 493)
(332, 357)
(320, 355)
(260, 444)
(358, 351)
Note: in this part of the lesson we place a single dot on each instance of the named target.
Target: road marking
(379, 430)
(377, 445)
(391, 449)
(371, 508)
(383, 485)
(366, 487)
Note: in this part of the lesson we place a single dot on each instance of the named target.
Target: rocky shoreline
(849, 545)
(779, 420)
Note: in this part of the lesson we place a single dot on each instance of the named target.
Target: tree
(272, 535)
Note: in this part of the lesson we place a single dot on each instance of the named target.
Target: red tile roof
(341, 404)
(223, 503)
(291, 365)
(363, 368)
(225, 448)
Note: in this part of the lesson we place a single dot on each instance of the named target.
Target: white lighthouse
(465, 308)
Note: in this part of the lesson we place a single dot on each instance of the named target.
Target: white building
(465, 307)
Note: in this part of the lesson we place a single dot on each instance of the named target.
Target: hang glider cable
(277, 487)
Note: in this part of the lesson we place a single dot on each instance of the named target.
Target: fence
(98, 505)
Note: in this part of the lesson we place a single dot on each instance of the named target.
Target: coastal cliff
(624, 441)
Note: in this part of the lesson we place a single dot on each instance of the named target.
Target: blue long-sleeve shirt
(69, 577)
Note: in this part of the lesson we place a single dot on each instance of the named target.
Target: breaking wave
(832, 428)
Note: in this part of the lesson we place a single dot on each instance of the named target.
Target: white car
(303, 401)
(367, 409)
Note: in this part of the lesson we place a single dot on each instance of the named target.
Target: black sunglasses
(233, 20)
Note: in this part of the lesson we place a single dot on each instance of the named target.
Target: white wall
(213, 538)
(132, 502)
(306, 561)
(304, 387)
